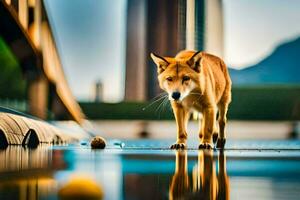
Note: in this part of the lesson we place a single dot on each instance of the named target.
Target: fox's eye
(169, 79)
(186, 78)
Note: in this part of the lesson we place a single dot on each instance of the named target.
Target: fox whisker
(164, 103)
(156, 100)
(194, 93)
(159, 106)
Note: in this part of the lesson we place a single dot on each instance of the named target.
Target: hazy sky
(253, 28)
(91, 43)
(91, 38)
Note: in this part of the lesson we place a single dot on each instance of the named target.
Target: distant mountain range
(280, 67)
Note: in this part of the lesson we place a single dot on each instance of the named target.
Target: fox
(196, 81)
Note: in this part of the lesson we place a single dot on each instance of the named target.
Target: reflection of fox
(196, 81)
(206, 182)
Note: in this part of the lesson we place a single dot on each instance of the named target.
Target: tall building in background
(207, 24)
(98, 91)
(136, 58)
(214, 35)
(152, 26)
(166, 27)
(164, 37)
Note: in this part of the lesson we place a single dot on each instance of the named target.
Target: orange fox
(196, 81)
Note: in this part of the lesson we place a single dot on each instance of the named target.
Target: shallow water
(136, 172)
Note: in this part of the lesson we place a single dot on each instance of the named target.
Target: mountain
(280, 67)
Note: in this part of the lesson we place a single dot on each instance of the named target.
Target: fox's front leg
(182, 116)
(209, 121)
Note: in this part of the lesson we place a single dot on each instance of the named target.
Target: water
(58, 172)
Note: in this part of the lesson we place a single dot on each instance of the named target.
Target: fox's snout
(176, 95)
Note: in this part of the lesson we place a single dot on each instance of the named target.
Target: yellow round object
(81, 189)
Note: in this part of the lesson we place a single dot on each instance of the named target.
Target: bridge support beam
(38, 96)
(23, 13)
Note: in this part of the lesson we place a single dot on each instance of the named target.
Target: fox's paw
(205, 145)
(221, 143)
(215, 137)
(178, 146)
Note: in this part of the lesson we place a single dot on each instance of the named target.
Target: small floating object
(84, 142)
(98, 143)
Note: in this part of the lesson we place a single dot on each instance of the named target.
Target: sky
(91, 39)
(91, 44)
(253, 28)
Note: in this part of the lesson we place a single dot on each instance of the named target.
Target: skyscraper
(166, 27)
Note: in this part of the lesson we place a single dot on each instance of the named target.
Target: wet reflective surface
(66, 172)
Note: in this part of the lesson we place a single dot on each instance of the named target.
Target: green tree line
(12, 82)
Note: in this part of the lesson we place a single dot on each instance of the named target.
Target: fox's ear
(161, 63)
(195, 61)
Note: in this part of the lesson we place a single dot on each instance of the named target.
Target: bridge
(26, 28)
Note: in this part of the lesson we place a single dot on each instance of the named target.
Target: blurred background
(77, 60)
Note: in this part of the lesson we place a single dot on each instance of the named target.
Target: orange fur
(202, 81)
